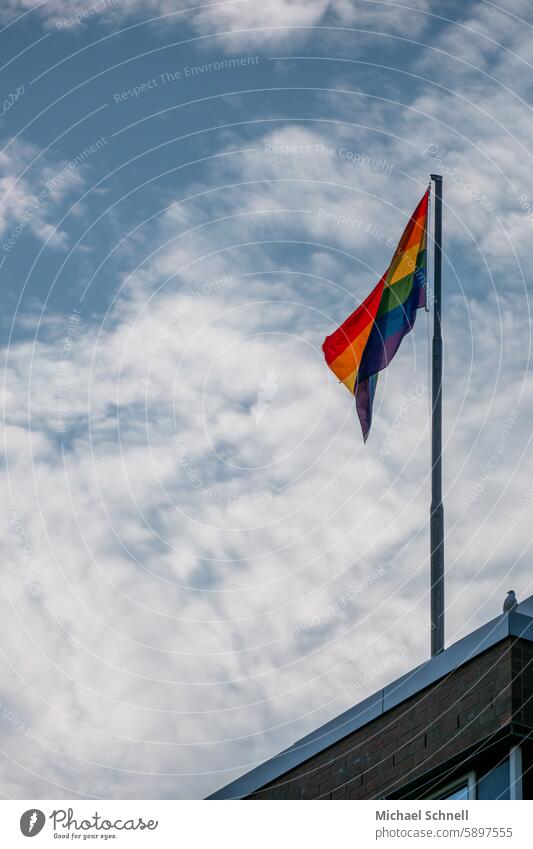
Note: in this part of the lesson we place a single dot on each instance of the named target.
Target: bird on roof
(510, 602)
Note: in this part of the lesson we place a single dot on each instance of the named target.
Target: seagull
(510, 602)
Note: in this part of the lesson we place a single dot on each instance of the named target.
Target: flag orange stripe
(416, 229)
(355, 324)
(348, 362)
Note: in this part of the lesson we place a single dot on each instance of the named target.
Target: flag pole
(437, 510)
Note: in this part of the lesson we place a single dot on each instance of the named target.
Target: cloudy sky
(201, 560)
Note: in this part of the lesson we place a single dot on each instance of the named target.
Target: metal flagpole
(437, 510)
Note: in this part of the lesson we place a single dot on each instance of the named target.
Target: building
(460, 726)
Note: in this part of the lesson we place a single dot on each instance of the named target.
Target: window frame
(468, 779)
(515, 772)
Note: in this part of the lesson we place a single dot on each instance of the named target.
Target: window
(461, 788)
(493, 779)
(458, 793)
(495, 784)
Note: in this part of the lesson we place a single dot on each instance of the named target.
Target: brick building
(460, 726)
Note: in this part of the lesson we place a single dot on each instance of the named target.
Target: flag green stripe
(394, 296)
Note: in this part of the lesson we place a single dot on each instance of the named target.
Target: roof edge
(514, 624)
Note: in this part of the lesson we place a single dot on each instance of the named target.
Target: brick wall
(522, 671)
(424, 732)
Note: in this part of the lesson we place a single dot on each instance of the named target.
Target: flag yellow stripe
(403, 266)
(349, 381)
(345, 366)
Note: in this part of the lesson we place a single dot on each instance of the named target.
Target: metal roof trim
(515, 624)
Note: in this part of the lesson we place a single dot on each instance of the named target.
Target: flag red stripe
(354, 325)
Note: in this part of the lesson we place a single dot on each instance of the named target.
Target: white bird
(510, 602)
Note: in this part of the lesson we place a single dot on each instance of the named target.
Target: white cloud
(164, 564)
(243, 21)
(32, 185)
(193, 585)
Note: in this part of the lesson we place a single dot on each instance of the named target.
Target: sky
(201, 560)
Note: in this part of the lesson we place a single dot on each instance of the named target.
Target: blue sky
(202, 561)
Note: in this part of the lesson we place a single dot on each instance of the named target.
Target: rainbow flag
(367, 341)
